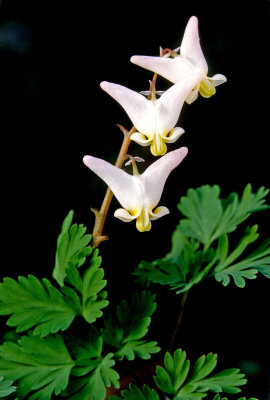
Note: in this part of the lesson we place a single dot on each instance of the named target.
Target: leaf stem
(178, 321)
(100, 215)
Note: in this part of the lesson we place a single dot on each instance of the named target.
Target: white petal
(171, 102)
(193, 95)
(141, 139)
(159, 212)
(217, 79)
(155, 176)
(125, 187)
(190, 46)
(139, 109)
(173, 69)
(124, 215)
(174, 135)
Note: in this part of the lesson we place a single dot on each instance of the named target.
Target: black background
(53, 55)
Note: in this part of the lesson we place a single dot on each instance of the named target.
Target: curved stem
(100, 216)
(178, 321)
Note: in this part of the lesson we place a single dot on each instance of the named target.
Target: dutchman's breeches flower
(138, 194)
(154, 119)
(190, 60)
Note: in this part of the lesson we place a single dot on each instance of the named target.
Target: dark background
(53, 55)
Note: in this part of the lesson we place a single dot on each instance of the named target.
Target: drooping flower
(138, 194)
(154, 119)
(190, 60)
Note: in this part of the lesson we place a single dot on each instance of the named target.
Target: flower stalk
(100, 215)
(178, 321)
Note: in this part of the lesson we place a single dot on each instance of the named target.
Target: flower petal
(173, 135)
(124, 215)
(217, 79)
(139, 109)
(193, 95)
(190, 46)
(126, 188)
(143, 223)
(159, 212)
(158, 146)
(154, 177)
(141, 139)
(173, 69)
(169, 105)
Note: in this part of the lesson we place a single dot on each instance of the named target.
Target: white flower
(138, 194)
(190, 60)
(154, 119)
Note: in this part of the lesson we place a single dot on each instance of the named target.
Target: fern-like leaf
(247, 268)
(6, 387)
(134, 393)
(125, 330)
(35, 304)
(72, 248)
(176, 378)
(93, 372)
(208, 216)
(38, 365)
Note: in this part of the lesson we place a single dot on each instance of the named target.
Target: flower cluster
(154, 121)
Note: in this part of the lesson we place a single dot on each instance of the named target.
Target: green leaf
(182, 268)
(184, 383)
(40, 305)
(35, 304)
(89, 349)
(208, 216)
(134, 393)
(93, 371)
(203, 210)
(171, 378)
(140, 348)
(86, 294)
(37, 364)
(217, 397)
(163, 272)
(93, 298)
(203, 367)
(258, 261)
(72, 248)
(95, 383)
(6, 387)
(249, 237)
(252, 202)
(125, 329)
(226, 381)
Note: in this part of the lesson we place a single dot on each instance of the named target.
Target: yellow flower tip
(143, 228)
(143, 223)
(158, 146)
(206, 88)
